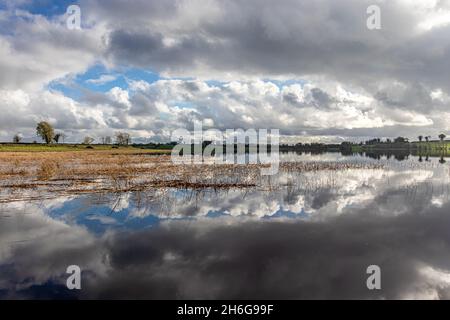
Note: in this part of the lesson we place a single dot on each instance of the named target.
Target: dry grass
(48, 174)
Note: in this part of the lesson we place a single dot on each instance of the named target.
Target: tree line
(47, 133)
(402, 140)
(427, 138)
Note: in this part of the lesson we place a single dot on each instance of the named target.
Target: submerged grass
(46, 174)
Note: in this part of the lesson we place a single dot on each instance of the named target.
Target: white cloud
(103, 79)
(389, 82)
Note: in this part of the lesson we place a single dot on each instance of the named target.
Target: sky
(312, 69)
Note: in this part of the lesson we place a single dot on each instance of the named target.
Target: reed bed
(47, 174)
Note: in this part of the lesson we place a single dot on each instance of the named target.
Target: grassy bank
(37, 147)
(431, 148)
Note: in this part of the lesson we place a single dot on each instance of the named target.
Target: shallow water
(302, 236)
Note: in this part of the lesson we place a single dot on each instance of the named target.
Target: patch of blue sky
(122, 77)
(136, 74)
(215, 83)
(99, 218)
(100, 79)
(99, 85)
(69, 91)
(47, 8)
(91, 79)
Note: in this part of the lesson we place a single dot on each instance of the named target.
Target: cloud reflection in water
(311, 237)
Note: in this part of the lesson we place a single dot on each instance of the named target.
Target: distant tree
(57, 137)
(17, 138)
(88, 140)
(63, 136)
(442, 136)
(420, 138)
(427, 138)
(45, 131)
(106, 140)
(123, 138)
(401, 140)
(373, 141)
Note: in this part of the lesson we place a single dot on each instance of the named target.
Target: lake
(296, 235)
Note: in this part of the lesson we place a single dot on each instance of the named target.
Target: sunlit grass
(74, 147)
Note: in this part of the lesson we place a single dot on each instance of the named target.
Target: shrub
(47, 170)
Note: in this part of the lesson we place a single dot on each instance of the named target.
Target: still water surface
(302, 236)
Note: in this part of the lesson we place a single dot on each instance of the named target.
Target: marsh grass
(48, 174)
(39, 147)
(47, 170)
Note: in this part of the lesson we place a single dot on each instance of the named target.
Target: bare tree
(106, 140)
(123, 138)
(88, 140)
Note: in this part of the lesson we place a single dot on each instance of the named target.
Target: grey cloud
(293, 37)
(324, 255)
(146, 49)
(251, 260)
(291, 98)
(323, 42)
(412, 96)
(322, 98)
(300, 39)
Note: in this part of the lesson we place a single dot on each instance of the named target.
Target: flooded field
(141, 227)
